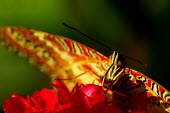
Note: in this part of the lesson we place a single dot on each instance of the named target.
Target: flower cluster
(82, 99)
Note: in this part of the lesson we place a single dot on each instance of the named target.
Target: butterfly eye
(119, 63)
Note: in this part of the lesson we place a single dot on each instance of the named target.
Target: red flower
(41, 101)
(85, 99)
(82, 99)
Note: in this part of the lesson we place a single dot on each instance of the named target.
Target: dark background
(135, 28)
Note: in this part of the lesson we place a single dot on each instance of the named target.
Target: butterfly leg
(73, 77)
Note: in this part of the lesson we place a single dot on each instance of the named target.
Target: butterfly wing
(158, 95)
(140, 93)
(155, 87)
(58, 56)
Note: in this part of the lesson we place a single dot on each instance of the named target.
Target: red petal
(31, 104)
(15, 105)
(66, 108)
(79, 99)
(88, 96)
(94, 92)
(63, 92)
(19, 95)
(76, 88)
(45, 98)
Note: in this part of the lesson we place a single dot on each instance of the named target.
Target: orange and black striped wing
(58, 56)
(141, 93)
(157, 94)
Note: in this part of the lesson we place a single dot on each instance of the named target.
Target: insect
(73, 62)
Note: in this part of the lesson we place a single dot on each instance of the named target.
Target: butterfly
(73, 62)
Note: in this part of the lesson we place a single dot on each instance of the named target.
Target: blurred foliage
(136, 28)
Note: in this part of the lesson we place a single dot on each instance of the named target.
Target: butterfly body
(73, 62)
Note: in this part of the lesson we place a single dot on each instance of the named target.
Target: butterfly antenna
(136, 60)
(101, 43)
(87, 36)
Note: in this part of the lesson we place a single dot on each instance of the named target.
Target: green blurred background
(136, 28)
